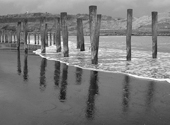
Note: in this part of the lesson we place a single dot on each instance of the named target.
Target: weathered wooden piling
(29, 38)
(80, 35)
(93, 33)
(50, 38)
(25, 28)
(35, 40)
(6, 36)
(38, 41)
(128, 34)
(18, 35)
(43, 34)
(64, 33)
(3, 34)
(14, 37)
(57, 35)
(10, 37)
(154, 34)
(0, 37)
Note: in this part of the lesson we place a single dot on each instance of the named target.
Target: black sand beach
(35, 91)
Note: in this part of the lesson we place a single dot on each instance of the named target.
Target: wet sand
(35, 91)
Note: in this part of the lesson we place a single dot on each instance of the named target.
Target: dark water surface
(35, 91)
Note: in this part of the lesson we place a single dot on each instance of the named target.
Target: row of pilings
(61, 32)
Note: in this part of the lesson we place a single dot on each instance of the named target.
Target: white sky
(115, 8)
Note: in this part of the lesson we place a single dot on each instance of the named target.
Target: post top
(93, 6)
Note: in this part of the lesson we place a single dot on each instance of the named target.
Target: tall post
(35, 40)
(43, 34)
(50, 38)
(10, 37)
(14, 37)
(128, 34)
(93, 33)
(154, 34)
(38, 38)
(80, 35)
(18, 35)
(57, 35)
(0, 37)
(25, 27)
(6, 36)
(64, 33)
(29, 38)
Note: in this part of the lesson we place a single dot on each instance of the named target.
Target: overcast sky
(114, 8)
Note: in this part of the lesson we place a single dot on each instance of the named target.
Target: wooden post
(80, 35)
(10, 37)
(154, 34)
(35, 41)
(38, 42)
(2, 36)
(129, 33)
(28, 38)
(50, 38)
(57, 35)
(64, 33)
(25, 28)
(93, 24)
(14, 37)
(18, 35)
(46, 37)
(6, 36)
(43, 34)
(54, 38)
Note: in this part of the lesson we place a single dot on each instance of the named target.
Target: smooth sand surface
(35, 91)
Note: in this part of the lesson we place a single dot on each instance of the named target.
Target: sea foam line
(132, 75)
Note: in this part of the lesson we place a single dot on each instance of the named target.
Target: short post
(64, 33)
(154, 34)
(57, 35)
(18, 35)
(25, 28)
(80, 35)
(43, 34)
(128, 34)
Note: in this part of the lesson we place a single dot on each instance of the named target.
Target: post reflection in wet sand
(150, 95)
(25, 69)
(63, 88)
(18, 62)
(93, 90)
(79, 72)
(126, 93)
(57, 74)
(42, 74)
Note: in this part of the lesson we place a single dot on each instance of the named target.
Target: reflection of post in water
(126, 94)
(150, 94)
(93, 90)
(42, 74)
(57, 74)
(63, 83)
(78, 75)
(19, 62)
(25, 69)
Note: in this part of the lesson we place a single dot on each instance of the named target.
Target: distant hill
(109, 25)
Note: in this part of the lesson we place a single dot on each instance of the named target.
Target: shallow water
(112, 56)
(37, 91)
